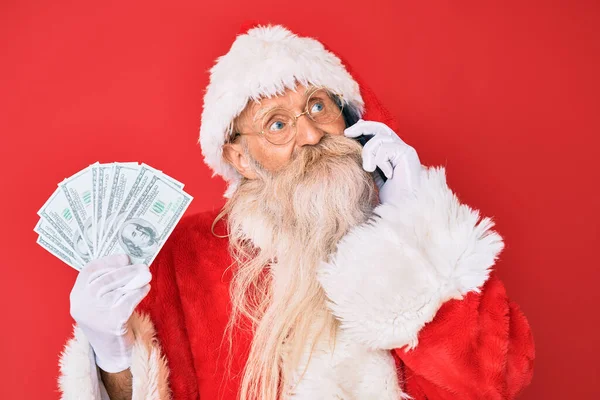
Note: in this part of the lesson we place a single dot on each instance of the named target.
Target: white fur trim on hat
(264, 62)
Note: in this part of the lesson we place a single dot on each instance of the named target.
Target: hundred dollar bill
(105, 173)
(94, 172)
(149, 222)
(123, 199)
(78, 190)
(57, 253)
(123, 178)
(48, 233)
(105, 192)
(145, 174)
(58, 213)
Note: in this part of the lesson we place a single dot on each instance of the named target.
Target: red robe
(480, 347)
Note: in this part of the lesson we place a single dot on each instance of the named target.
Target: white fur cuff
(80, 379)
(390, 276)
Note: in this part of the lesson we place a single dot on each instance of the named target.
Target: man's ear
(234, 154)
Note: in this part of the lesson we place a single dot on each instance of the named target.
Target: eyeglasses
(279, 125)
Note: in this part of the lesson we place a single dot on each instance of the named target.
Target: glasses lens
(322, 107)
(278, 126)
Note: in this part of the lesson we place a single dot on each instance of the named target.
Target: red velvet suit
(480, 347)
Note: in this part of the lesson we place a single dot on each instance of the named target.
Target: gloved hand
(398, 161)
(103, 298)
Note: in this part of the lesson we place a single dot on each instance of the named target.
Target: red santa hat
(264, 62)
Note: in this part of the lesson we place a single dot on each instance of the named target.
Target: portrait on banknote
(138, 238)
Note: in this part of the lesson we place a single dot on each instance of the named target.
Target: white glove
(103, 298)
(398, 161)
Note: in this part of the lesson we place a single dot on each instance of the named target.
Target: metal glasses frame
(337, 98)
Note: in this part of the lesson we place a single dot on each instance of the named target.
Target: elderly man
(334, 271)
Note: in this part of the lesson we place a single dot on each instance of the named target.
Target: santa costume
(422, 313)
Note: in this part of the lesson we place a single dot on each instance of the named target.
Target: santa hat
(264, 62)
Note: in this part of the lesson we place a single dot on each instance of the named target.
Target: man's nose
(307, 132)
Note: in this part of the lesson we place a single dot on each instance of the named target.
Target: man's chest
(333, 370)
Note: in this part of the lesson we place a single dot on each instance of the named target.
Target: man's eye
(276, 126)
(317, 108)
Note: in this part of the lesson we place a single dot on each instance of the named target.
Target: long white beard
(282, 226)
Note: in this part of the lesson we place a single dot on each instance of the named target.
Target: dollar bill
(58, 213)
(124, 176)
(145, 174)
(78, 191)
(46, 230)
(150, 220)
(105, 173)
(94, 172)
(57, 253)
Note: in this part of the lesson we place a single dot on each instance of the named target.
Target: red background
(505, 94)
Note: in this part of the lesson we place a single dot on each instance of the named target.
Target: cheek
(338, 126)
(269, 156)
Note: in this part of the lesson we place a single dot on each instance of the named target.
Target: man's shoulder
(194, 240)
(192, 265)
(200, 226)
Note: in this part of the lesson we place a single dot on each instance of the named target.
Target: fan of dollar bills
(109, 209)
